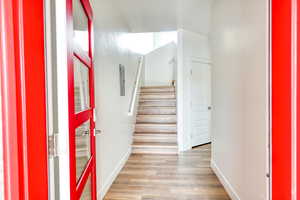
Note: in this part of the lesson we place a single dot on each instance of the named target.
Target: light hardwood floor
(186, 176)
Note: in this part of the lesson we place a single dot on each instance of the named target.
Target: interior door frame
(192, 60)
(22, 71)
(76, 119)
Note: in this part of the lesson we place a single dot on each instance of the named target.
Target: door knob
(209, 107)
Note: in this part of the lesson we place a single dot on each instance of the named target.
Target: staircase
(156, 124)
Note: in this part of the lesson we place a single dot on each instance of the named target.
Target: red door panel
(81, 100)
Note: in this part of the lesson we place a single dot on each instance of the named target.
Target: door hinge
(53, 145)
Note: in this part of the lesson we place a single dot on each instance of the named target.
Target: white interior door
(200, 103)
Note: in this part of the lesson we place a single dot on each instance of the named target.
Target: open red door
(81, 100)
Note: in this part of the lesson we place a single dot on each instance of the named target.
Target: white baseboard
(228, 187)
(104, 189)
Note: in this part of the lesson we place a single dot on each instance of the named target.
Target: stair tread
(156, 107)
(158, 86)
(157, 104)
(155, 124)
(160, 99)
(160, 144)
(158, 92)
(156, 97)
(157, 100)
(149, 122)
(151, 114)
(154, 152)
(152, 95)
(155, 136)
(157, 112)
(155, 133)
(157, 115)
(142, 100)
(160, 119)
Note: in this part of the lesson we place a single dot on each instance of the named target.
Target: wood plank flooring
(186, 176)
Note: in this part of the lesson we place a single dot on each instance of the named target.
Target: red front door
(81, 100)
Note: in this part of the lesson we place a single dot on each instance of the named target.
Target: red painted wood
(83, 57)
(35, 100)
(88, 9)
(298, 102)
(281, 100)
(83, 179)
(24, 102)
(82, 117)
(76, 120)
(21, 104)
(9, 104)
(71, 101)
(92, 93)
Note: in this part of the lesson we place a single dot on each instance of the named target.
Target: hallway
(186, 176)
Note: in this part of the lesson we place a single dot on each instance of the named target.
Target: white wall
(191, 46)
(240, 88)
(159, 69)
(114, 144)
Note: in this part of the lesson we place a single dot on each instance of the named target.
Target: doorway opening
(159, 88)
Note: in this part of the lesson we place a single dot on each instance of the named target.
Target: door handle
(85, 133)
(98, 132)
(209, 108)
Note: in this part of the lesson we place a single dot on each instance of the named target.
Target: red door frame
(284, 113)
(22, 73)
(9, 104)
(77, 119)
(24, 104)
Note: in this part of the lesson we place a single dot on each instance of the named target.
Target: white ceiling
(149, 15)
(195, 15)
(166, 15)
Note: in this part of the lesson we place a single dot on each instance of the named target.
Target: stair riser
(157, 90)
(155, 138)
(155, 129)
(158, 103)
(153, 111)
(156, 119)
(157, 96)
(136, 150)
